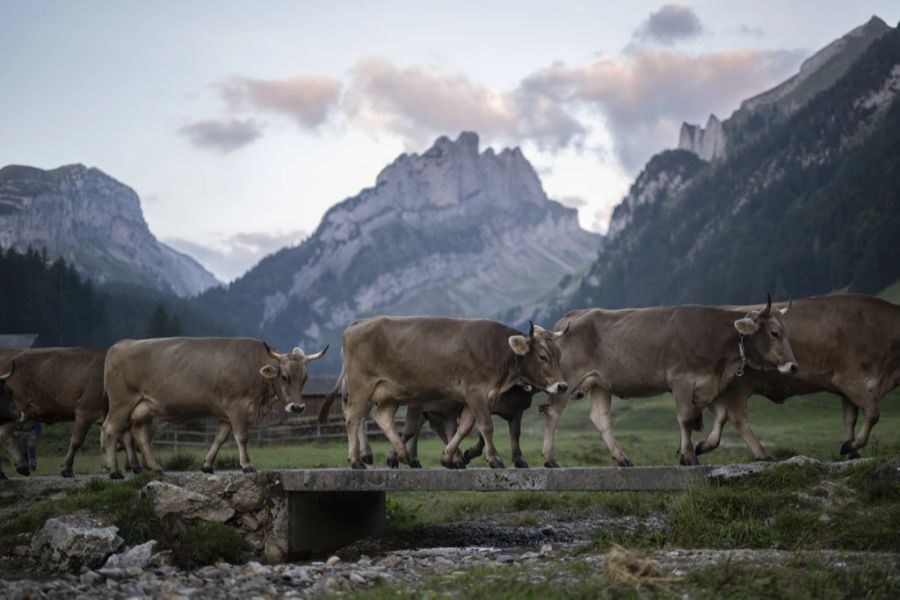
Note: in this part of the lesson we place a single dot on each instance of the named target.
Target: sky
(240, 123)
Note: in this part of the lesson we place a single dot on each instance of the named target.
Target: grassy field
(646, 429)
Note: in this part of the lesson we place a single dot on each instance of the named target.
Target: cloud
(229, 257)
(307, 99)
(220, 135)
(745, 29)
(418, 103)
(572, 201)
(644, 96)
(670, 24)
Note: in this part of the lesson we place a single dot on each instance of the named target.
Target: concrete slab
(567, 479)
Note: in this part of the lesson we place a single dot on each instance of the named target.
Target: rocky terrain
(94, 222)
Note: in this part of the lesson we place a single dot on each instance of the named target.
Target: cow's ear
(746, 326)
(269, 371)
(519, 344)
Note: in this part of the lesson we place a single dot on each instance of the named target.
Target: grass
(629, 574)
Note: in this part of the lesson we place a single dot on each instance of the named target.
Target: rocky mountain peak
(95, 222)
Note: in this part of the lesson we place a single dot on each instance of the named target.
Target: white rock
(135, 557)
(70, 542)
(167, 498)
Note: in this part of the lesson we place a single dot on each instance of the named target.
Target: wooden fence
(300, 430)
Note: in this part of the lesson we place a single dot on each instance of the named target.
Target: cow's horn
(565, 330)
(531, 328)
(768, 303)
(12, 370)
(273, 353)
(788, 307)
(318, 354)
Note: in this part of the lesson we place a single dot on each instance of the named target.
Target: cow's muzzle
(294, 407)
(558, 387)
(788, 368)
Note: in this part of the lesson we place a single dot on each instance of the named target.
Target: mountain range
(95, 223)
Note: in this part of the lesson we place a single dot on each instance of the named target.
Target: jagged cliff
(453, 231)
(94, 222)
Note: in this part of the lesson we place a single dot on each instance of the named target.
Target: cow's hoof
(249, 469)
(369, 459)
(699, 448)
(520, 463)
(415, 464)
(116, 475)
(551, 464)
(688, 461)
(446, 462)
(136, 469)
(496, 463)
(207, 470)
(626, 462)
(67, 473)
(468, 455)
(359, 466)
(23, 470)
(847, 447)
(392, 462)
(853, 455)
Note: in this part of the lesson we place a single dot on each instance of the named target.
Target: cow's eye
(542, 357)
(284, 378)
(776, 334)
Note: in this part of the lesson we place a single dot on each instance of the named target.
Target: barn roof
(18, 340)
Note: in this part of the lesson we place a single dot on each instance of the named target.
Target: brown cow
(54, 385)
(9, 412)
(849, 345)
(443, 417)
(389, 361)
(692, 351)
(181, 379)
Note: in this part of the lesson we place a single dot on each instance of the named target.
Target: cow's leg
(451, 458)
(239, 426)
(474, 451)
(601, 417)
(712, 441)
(863, 398)
(131, 455)
(8, 439)
(552, 411)
(76, 439)
(221, 435)
(851, 414)
(482, 413)
(140, 431)
(384, 416)
(515, 432)
(365, 448)
(737, 414)
(353, 416)
(411, 429)
(687, 414)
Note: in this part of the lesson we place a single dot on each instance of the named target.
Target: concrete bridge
(330, 508)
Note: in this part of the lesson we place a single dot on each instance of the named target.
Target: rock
(90, 577)
(161, 559)
(167, 498)
(546, 549)
(726, 472)
(248, 522)
(548, 531)
(505, 558)
(357, 579)
(886, 474)
(136, 557)
(249, 498)
(70, 542)
(801, 460)
(112, 573)
(333, 560)
(530, 556)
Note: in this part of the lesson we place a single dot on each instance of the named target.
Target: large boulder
(167, 499)
(70, 542)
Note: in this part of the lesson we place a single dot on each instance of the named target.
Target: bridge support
(321, 522)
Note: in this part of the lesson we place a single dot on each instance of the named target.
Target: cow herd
(458, 373)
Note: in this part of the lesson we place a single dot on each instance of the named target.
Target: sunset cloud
(307, 99)
(670, 24)
(221, 135)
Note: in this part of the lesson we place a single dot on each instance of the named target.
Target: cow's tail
(340, 386)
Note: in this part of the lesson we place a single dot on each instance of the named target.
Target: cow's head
(288, 375)
(538, 358)
(9, 412)
(765, 340)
